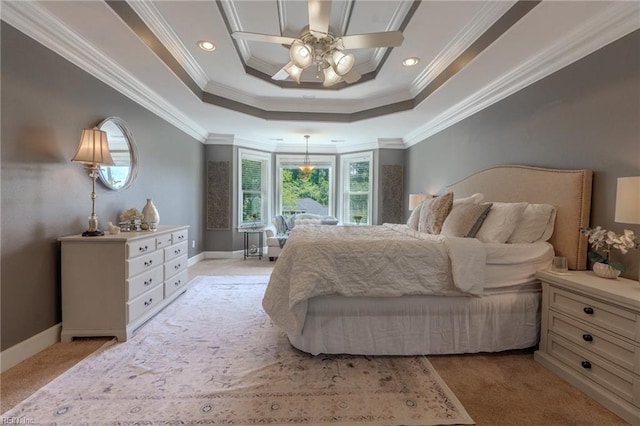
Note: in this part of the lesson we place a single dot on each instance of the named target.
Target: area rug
(214, 357)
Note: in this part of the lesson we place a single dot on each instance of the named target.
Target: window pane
(305, 192)
(359, 177)
(251, 175)
(359, 208)
(251, 204)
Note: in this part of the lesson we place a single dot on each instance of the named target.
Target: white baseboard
(195, 259)
(238, 254)
(28, 348)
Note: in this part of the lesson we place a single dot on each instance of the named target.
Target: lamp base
(97, 233)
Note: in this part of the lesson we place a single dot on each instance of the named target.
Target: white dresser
(591, 337)
(112, 284)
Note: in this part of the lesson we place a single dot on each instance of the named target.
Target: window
(357, 188)
(253, 187)
(300, 192)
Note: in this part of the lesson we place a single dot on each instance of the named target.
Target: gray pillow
(463, 219)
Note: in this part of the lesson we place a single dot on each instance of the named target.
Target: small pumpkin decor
(602, 242)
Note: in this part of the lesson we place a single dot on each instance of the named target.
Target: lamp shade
(330, 77)
(416, 199)
(628, 200)
(294, 71)
(342, 63)
(93, 148)
(301, 54)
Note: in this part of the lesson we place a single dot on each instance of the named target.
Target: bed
(391, 290)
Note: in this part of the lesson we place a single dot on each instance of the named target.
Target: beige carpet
(214, 356)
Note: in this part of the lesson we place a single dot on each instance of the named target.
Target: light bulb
(301, 54)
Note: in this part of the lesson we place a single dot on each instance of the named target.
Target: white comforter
(382, 261)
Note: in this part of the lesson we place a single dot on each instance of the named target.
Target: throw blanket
(382, 261)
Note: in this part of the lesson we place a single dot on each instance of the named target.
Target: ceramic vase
(604, 270)
(150, 213)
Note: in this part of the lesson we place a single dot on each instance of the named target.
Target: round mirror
(123, 152)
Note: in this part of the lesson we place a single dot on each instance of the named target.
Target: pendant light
(306, 166)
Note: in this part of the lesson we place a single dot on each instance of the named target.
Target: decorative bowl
(604, 270)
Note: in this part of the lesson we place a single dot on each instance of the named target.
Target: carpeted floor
(213, 356)
(507, 388)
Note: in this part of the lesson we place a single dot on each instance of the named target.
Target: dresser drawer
(163, 241)
(180, 236)
(601, 372)
(175, 282)
(174, 266)
(140, 247)
(607, 316)
(144, 263)
(144, 281)
(144, 303)
(622, 353)
(176, 250)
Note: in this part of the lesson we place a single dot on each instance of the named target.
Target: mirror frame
(133, 154)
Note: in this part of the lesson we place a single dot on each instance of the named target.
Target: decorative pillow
(500, 222)
(463, 218)
(536, 224)
(432, 215)
(281, 225)
(476, 226)
(414, 217)
(474, 199)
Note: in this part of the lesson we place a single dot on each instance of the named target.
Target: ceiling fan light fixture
(301, 54)
(330, 77)
(342, 63)
(294, 72)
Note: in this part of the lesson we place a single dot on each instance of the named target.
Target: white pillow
(414, 217)
(500, 222)
(473, 199)
(536, 224)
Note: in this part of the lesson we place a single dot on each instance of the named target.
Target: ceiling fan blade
(265, 38)
(319, 16)
(352, 76)
(282, 74)
(363, 41)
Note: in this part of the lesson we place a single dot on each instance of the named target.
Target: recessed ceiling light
(206, 46)
(409, 62)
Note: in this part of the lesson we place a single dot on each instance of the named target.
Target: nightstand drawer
(174, 283)
(174, 266)
(140, 247)
(614, 379)
(145, 281)
(607, 316)
(144, 303)
(592, 339)
(174, 251)
(144, 263)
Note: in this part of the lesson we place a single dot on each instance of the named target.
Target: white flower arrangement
(601, 239)
(130, 214)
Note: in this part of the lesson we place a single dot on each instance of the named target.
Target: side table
(251, 250)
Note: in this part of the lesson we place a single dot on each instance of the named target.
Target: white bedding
(379, 261)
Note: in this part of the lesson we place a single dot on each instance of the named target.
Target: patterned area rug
(214, 357)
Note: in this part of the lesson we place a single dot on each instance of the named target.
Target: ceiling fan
(317, 45)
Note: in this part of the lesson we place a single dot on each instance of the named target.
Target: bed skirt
(413, 325)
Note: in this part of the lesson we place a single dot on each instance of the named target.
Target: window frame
(265, 187)
(345, 164)
(294, 160)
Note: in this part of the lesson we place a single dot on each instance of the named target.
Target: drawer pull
(177, 251)
(588, 310)
(177, 267)
(586, 364)
(146, 283)
(181, 237)
(143, 249)
(149, 302)
(177, 283)
(587, 337)
(149, 263)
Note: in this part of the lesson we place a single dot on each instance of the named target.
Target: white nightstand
(590, 337)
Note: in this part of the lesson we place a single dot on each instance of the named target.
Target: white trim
(345, 160)
(28, 348)
(236, 254)
(195, 259)
(265, 183)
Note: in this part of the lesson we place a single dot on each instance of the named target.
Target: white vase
(604, 270)
(150, 213)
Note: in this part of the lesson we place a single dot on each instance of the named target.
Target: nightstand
(253, 250)
(590, 337)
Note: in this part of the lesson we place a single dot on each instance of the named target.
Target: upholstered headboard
(568, 190)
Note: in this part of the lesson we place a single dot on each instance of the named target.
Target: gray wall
(586, 116)
(46, 102)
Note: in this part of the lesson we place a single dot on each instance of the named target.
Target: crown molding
(154, 19)
(488, 14)
(34, 20)
(618, 20)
